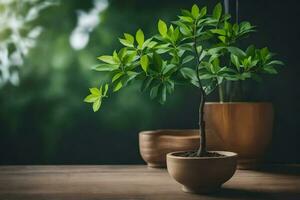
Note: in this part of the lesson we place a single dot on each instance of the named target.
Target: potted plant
(242, 126)
(185, 52)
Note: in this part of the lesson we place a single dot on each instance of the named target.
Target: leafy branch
(197, 38)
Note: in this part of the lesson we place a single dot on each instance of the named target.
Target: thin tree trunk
(202, 148)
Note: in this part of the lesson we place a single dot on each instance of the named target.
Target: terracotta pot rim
(228, 154)
(238, 102)
(172, 131)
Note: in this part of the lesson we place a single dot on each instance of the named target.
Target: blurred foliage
(17, 35)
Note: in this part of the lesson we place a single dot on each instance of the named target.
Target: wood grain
(135, 183)
(244, 128)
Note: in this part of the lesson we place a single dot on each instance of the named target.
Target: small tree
(205, 41)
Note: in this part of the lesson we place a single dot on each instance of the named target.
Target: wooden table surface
(135, 182)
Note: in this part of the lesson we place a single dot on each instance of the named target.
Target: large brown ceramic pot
(244, 128)
(154, 145)
(201, 174)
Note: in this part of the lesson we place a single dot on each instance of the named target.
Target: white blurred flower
(14, 19)
(87, 21)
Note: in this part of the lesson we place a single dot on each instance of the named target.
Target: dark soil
(194, 154)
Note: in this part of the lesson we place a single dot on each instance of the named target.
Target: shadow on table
(280, 169)
(237, 193)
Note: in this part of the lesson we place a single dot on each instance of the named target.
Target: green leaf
(264, 52)
(162, 28)
(163, 91)
(145, 62)
(275, 62)
(107, 59)
(157, 62)
(183, 28)
(140, 38)
(118, 86)
(125, 43)
(186, 13)
(270, 70)
(96, 105)
(95, 91)
(116, 57)
(250, 50)
(105, 67)
(235, 28)
(202, 55)
(117, 76)
(212, 21)
(213, 57)
(161, 46)
(188, 73)
(244, 26)
(146, 43)
(226, 17)
(217, 12)
(195, 11)
(170, 86)
(130, 56)
(152, 44)
(162, 50)
(245, 75)
(207, 76)
(131, 75)
(215, 50)
(227, 27)
(218, 31)
(187, 59)
(207, 65)
(129, 38)
(175, 35)
(122, 53)
(105, 90)
(91, 98)
(203, 12)
(235, 60)
(236, 51)
(100, 90)
(222, 39)
(186, 19)
(215, 65)
(154, 92)
(146, 83)
(169, 69)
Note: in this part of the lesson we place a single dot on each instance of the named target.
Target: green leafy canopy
(199, 49)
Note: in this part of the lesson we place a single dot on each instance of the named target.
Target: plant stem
(221, 93)
(202, 148)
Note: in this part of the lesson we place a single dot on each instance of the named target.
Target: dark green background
(44, 120)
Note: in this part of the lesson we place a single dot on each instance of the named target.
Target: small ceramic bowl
(155, 145)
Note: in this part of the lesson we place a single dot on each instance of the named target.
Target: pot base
(202, 190)
(155, 165)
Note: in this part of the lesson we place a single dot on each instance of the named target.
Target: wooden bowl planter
(155, 145)
(244, 128)
(201, 174)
